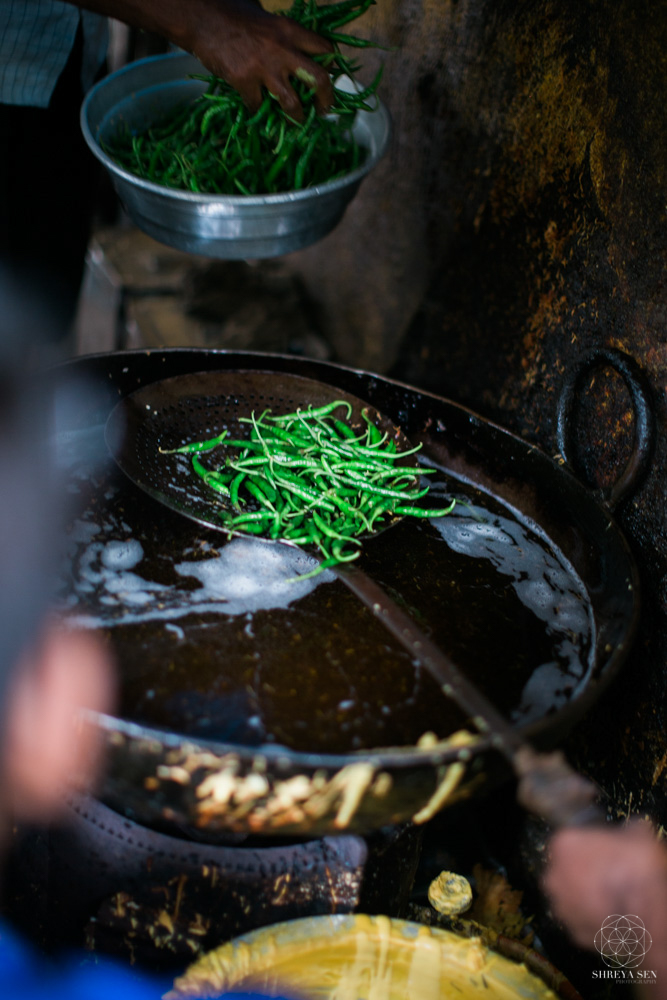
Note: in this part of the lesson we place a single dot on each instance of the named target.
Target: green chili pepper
(318, 481)
(195, 446)
(234, 489)
(321, 411)
(422, 512)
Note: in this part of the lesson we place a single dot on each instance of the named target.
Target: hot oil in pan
(214, 639)
(497, 598)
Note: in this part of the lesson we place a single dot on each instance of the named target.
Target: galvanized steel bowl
(234, 227)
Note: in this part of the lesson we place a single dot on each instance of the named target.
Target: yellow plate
(345, 957)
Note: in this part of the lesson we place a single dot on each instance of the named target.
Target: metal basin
(234, 227)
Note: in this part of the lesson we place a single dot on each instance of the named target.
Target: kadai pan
(160, 776)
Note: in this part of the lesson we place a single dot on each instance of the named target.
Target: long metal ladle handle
(548, 786)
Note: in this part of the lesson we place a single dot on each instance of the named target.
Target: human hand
(252, 49)
(594, 872)
(48, 749)
(237, 40)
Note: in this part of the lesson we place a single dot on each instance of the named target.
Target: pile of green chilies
(310, 478)
(215, 145)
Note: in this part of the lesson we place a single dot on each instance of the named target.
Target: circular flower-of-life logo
(623, 941)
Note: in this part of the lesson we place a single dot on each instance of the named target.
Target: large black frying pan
(161, 776)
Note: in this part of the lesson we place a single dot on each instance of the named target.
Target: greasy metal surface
(240, 786)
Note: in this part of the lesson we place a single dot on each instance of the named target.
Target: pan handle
(643, 407)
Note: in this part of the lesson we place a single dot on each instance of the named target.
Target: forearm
(235, 39)
(175, 20)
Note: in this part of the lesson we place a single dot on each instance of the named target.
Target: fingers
(593, 872)
(250, 91)
(280, 84)
(47, 747)
(278, 80)
(287, 97)
(324, 91)
(299, 43)
(267, 51)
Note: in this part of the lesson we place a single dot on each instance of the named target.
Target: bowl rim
(200, 198)
(256, 951)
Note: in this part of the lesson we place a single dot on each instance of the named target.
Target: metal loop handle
(642, 403)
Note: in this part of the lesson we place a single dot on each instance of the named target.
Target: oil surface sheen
(219, 639)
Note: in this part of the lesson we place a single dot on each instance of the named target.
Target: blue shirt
(36, 38)
(24, 975)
